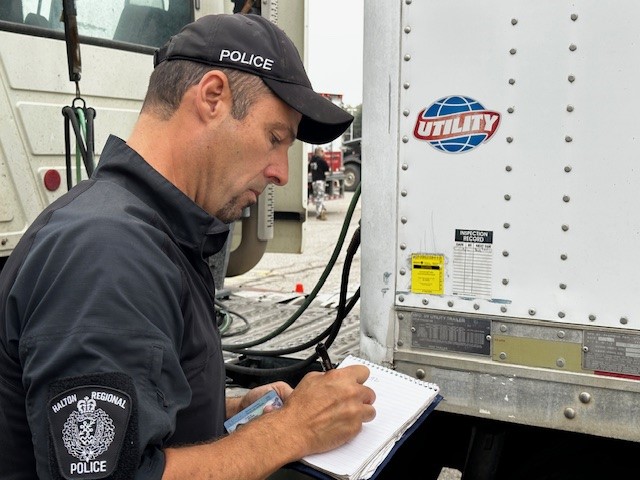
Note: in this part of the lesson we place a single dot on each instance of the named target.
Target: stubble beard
(232, 211)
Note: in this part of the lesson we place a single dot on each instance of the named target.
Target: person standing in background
(247, 6)
(318, 167)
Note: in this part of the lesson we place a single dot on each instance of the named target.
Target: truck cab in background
(352, 163)
(117, 39)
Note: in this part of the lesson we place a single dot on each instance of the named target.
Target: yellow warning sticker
(427, 273)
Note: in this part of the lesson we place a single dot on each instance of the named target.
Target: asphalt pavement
(284, 272)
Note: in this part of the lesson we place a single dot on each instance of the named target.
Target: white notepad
(400, 401)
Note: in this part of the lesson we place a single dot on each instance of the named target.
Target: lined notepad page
(400, 399)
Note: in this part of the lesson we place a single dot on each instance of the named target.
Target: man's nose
(278, 171)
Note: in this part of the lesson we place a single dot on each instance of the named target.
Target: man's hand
(328, 409)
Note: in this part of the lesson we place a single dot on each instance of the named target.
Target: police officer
(111, 363)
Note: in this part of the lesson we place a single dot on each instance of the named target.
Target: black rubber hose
(89, 162)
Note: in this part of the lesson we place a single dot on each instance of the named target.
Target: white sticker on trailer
(472, 263)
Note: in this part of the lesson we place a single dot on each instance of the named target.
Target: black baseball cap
(255, 45)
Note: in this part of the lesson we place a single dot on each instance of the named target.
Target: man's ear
(213, 98)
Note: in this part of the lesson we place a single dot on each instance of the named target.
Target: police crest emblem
(88, 431)
(87, 426)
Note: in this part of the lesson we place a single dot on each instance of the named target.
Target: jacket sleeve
(100, 336)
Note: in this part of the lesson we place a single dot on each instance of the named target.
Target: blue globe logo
(456, 124)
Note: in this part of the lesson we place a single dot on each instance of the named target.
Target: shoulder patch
(87, 424)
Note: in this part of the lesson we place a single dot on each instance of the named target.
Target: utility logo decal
(88, 425)
(456, 124)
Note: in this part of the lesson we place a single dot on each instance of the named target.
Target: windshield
(139, 22)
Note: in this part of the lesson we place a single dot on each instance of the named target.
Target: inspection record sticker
(254, 410)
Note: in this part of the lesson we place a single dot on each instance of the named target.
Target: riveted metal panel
(502, 193)
(536, 219)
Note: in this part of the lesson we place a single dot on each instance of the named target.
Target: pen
(324, 356)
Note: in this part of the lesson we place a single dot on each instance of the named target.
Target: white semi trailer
(501, 228)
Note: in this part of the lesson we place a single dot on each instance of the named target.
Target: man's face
(249, 155)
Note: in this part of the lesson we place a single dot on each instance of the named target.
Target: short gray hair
(171, 79)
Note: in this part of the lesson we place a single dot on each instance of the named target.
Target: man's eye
(275, 140)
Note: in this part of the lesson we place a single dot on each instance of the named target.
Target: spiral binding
(395, 373)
